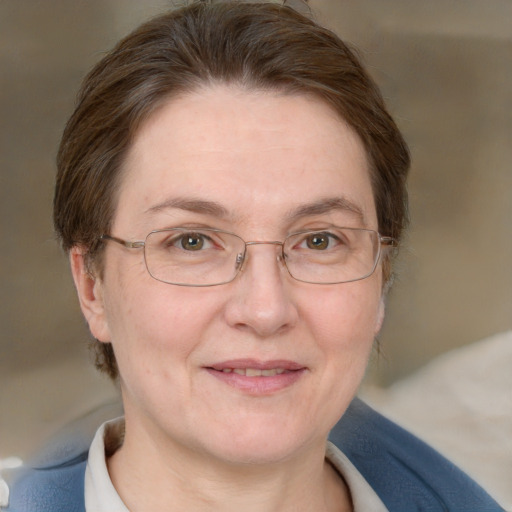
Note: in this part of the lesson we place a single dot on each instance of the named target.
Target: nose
(262, 301)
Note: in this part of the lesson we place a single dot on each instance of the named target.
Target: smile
(256, 377)
(255, 372)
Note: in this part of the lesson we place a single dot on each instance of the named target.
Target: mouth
(257, 377)
(254, 372)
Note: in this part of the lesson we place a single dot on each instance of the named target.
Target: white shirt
(101, 496)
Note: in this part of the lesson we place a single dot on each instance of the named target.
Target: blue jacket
(407, 475)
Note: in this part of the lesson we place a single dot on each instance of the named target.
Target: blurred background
(445, 69)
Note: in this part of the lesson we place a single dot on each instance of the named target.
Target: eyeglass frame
(383, 240)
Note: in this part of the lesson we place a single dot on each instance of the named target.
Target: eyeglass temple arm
(125, 243)
(387, 240)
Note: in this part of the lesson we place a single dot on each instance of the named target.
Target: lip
(261, 384)
(257, 364)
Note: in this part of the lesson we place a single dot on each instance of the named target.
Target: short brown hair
(256, 45)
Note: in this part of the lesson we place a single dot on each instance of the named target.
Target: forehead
(247, 152)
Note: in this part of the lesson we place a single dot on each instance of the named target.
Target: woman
(230, 188)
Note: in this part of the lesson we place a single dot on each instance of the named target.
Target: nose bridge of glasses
(242, 257)
(270, 242)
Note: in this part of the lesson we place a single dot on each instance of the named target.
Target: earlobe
(380, 315)
(90, 295)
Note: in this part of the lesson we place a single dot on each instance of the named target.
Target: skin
(194, 441)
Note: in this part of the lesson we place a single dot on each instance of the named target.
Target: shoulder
(54, 480)
(406, 473)
(50, 488)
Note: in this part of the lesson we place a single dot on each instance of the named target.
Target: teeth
(255, 372)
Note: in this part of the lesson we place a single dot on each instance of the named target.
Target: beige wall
(445, 68)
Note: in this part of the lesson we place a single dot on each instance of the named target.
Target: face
(261, 165)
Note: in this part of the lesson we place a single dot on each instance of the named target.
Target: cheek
(344, 328)
(347, 317)
(155, 334)
(158, 323)
(342, 322)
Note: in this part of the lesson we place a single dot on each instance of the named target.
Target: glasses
(210, 257)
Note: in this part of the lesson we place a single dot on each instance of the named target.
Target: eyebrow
(192, 205)
(327, 205)
(201, 206)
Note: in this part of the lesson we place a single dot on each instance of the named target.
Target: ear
(90, 295)
(380, 315)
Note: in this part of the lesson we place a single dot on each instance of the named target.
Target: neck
(149, 476)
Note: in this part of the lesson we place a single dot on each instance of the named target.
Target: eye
(321, 241)
(193, 242)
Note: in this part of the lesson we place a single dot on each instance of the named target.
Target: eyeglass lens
(206, 257)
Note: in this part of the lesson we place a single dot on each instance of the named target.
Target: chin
(257, 455)
(269, 444)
